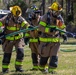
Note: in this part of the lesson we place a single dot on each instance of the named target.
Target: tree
(69, 10)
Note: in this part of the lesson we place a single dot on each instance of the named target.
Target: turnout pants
(49, 50)
(34, 52)
(8, 47)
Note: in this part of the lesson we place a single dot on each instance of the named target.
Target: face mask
(17, 13)
(55, 14)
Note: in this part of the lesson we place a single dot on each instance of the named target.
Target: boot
(5, 70)
(35, 68)
(52, 71)
(19, 70)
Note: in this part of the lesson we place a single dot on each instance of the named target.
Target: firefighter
(34, 18)
(49, 39)
(13, 22)
(61, 21)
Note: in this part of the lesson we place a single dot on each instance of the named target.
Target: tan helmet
(55, 6)
(16, 10)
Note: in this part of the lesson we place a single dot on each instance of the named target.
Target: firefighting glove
(52, 29)
(26, 40)
(39, 32)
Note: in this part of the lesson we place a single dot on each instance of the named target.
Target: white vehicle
(3, 13)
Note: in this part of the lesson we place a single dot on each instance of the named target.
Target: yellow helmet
(16, 10)
(55, 6)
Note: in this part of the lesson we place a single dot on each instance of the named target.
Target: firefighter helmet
(35, 9)
(55, 6)
(16, 10)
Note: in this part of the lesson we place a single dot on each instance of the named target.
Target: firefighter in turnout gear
(56, 6)
(13, 22)
(49, 39)
(34, 18)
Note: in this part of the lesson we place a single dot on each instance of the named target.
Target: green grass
(66, 65)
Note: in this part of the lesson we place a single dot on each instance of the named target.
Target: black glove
(52, 29)
(26, 40)
(64, 36)
(39, 32)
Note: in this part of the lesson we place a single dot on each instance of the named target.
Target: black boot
(5, 70)
(19, 70)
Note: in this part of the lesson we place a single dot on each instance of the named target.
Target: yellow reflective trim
(12, 28)
(46, 66)
(49, 39)
(62, 33)
(5, 66)
(33, 40)
(13, 37)
(42, 23)
(0, 30)
(27, 34)
(52, 26)
(63, 26)
(51, 69)
(46, 30)
(18, 63)
(23, 23)
(1, 24)
(41, 68)
(35, 67)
